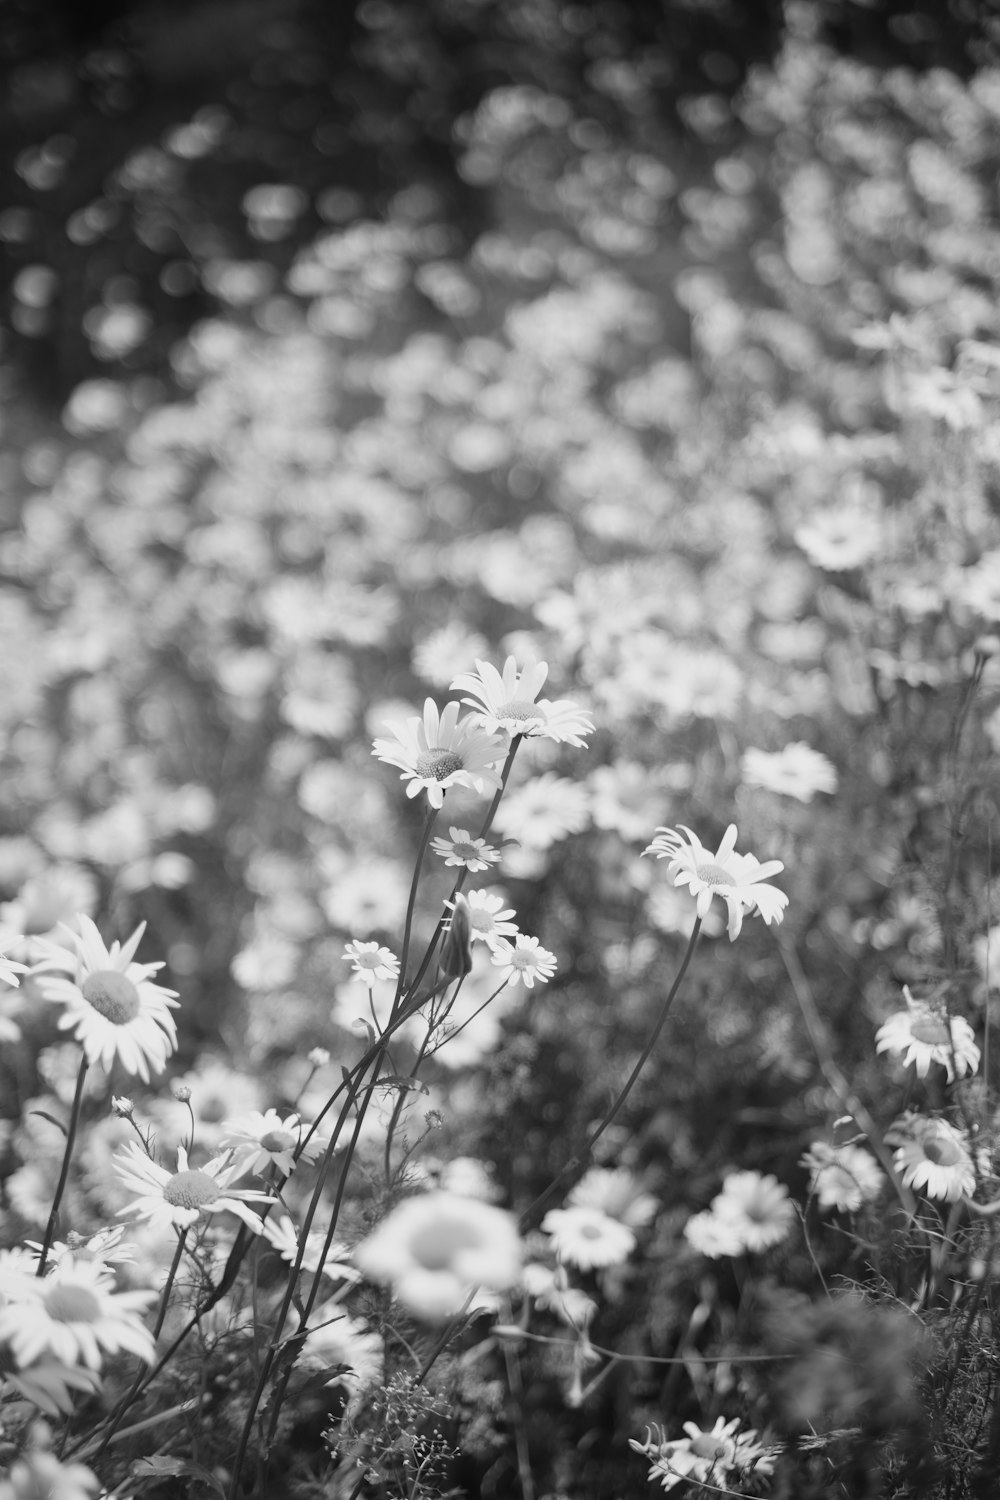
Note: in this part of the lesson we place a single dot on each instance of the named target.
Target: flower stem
(168, 1285)
(74, 1120)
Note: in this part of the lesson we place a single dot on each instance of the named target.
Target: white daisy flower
(112, 1007)
(460, 848)
(924, 1034)
(796, 771)
(9, 970)
(104, 1248)
(282, 1235)
(936, 1160)
(551, 1292)
(38, 1473)
(488, 918)
(50, 1385)
(617, 1193)
(435, 1249)
(335, 1339)
(508, 702)
(181, 1198)
(759, 1207)
(258, 1140)
(704, 1456)
(524, 960)
(437, 751)
(713, 1235)
(370, 962)
(75, 1315)
(543, 811)
(842, 1177)
(735, 878)
(587, 1238)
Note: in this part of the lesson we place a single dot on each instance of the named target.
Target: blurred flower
(489, 920)
(624, 798)
(181, 1198)
(524, 960)
(104, 1249)
(552, 1293)
(371, 962)
(434, 1250)
(282, 1235)
(50, 1385)
(256, 1140)
(318, 1057)
(842, 1177)
(335, 1339)
(617, 1193)
(704, 1457)
(713, 1235)
(758, 1205)
(936, 1160)
(735, 878)
(795, 771)
(544, 810)
(587, 1238)
(924, 1034)
(8, 969)
(840, 539)
(111, 1004)
(39, 1475)
(438, 751)
(73, 1314)
(462, 849)
(508, 703)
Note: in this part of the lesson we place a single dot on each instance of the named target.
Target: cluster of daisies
(710, 1458)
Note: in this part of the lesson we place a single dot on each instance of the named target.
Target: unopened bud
(182, 1093)
(318, 1057)
(122, 1107)
(456, 948)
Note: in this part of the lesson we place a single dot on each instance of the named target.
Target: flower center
(519, 709)
(465, 851)
(932, 1030)
(72, 1304)
(112, 995)
(714, 875)
(589, 1231)
(435, 1247)
(278, 1140)
(707, 1446)
(480, 920)
(191, 1190)
(438, 763)
(942, 1151)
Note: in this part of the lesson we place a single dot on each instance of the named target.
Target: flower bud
(456, 948)
(182, 1093)
(122, 1107)
(318, 1057)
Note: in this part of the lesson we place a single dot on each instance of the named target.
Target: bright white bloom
(435, 1249)
(74, 1315)
(257, 1140)
(543, 811)
(713, 1235)
(704, 1457)
(179, 1199)
(843, 1177)
(39, 1475)
(796, 771)
(617, 1193)
(50, 1385)
(508, 702)
(924, 1034)
(936, 1160)
(8, 969)
(735, 878)
(552, 1292)
(758, 1206)
(462, 849)
(370, 962)
(524, 960)
(283, 1236)
(113, 1008)
(437, 751)
(489, 920)
(588, 1238)
(336, 1340)
(104, 1248)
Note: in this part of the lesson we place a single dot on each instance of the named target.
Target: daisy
(713, 1236)
(112, 1006)
(434, 1250)
(39, 1473)
(757, 1206)
(935, 1160)
(371, 962)
(508, 702)
(842, 1177)
(341, 1344)
(924, 1034)
(489, 921)
(75, 1315)
(49, 1384)
(796, 771)
(704, 1457)
(437, 752)
(543, 811)
(734, 878)
(524, 960)
(181, 1198)
(256, 1140)
(550, 1291)
(9, 970)
(617, 1193)
(587, 1238)
(104, 1248)
(462, 849)
(281, 1234)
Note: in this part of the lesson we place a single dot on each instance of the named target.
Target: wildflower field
(500, 664)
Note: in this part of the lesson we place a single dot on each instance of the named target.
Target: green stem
(74, 1120)
(168, 1285)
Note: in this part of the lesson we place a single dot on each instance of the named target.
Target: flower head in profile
(179, 1199)
(73, 1315)
(259, 1140)
(104, 1248)
(509, 701)
(460, 848)
(704, 1456)
(923, 1034)
(617, 1193)
(438, 751)
(587, 1238)
(797, 770)
(524, 960)
(352, 1353)
(370, 962)
(842, 1177)
(436, 1249)
(282, 1235)
(111, 1004)
(737, 879)
(934, 1157)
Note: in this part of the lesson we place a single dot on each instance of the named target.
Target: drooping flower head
(510, 702)
(737, 879)
(923, 1034)
(934, 1157)
(111, 1004)
(439, 751)
(181, 1198)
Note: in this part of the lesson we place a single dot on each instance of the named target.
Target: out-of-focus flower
(9, 970)
(460, 848)
(73, 1315)
(370, 962)
(111, 1004)
(796, 771)
(704, 1456)
(39, 1475)
(617, 1193)
(923, 1034)
(104, 1249)
(587, 1238)
(318, 1057)
(438, 751)
(181, 1198)
(552, 1292)
(712, 1235)
(935, 1159)
(737, 879)
(524, 960)
(489, 919)
(543, 811)
(258, 1140)
(434, 1250)
(49, 1384)
(335, 1339)
(843, 538)
(282, 1235)
(752, 1213)
(842, 1177)
(508, 702)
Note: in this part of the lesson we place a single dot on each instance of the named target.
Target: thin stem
(74, 1120)
(168, 1285)
(410, 905)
